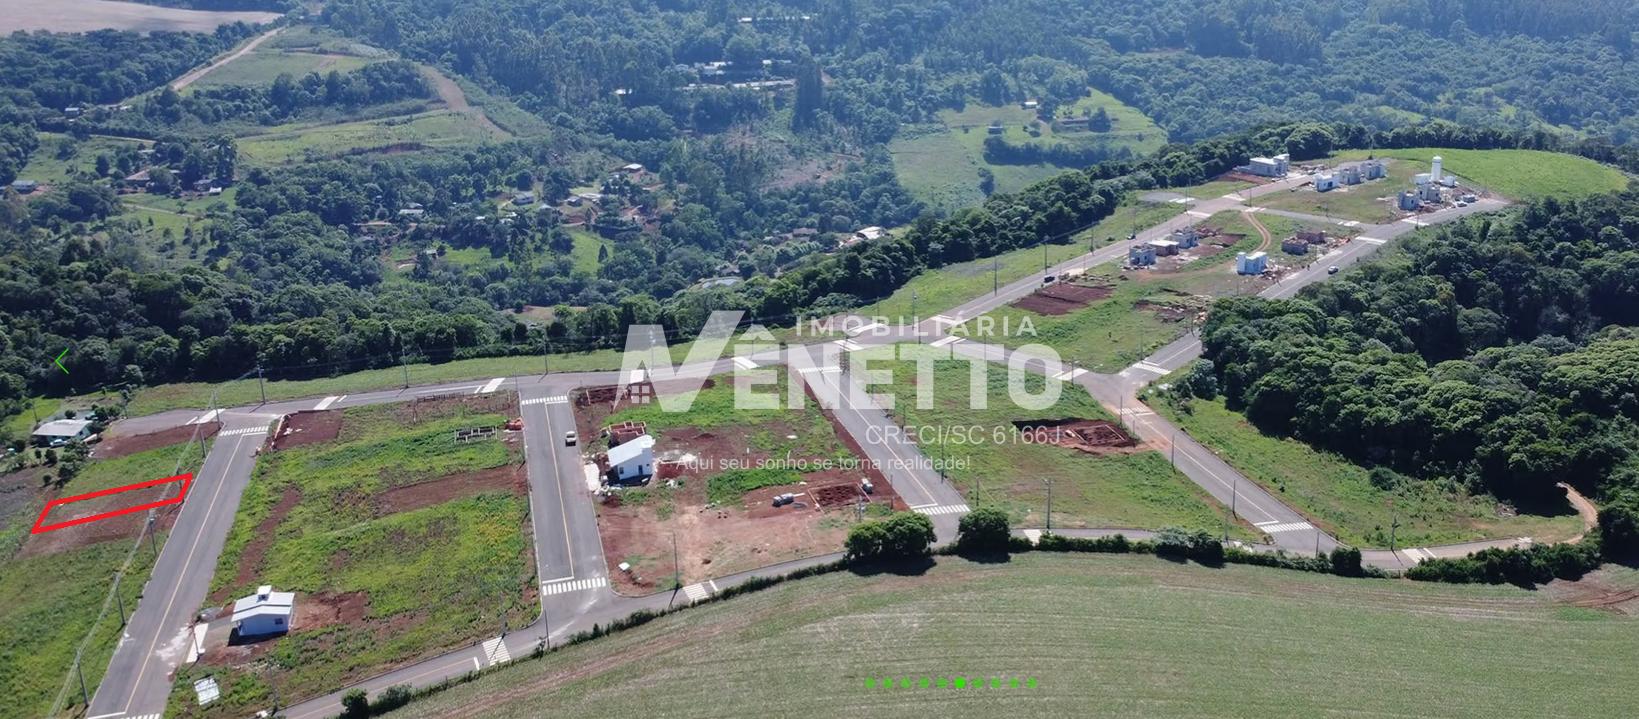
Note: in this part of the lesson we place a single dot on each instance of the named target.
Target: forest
(1499, 354)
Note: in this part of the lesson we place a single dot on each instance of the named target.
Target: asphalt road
(569, 555)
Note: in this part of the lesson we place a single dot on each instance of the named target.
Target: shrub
(1189, 544)
(1619, 531)
(1346, 562)
(355, 705)
(983, 530)
(904, 535)
(1117, 544)
(391, 698)
(1533, 565)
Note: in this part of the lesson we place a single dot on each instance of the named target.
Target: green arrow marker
(59, 361)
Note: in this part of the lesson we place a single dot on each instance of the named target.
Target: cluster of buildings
(1430, 188)
(1276, 166)
(1349, 175)
(1300, 243)
(1144, 254)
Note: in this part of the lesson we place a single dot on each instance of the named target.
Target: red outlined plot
(40, 527)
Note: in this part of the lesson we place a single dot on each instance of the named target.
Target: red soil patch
(307, 427)
(430, 408)
(508, 478)
(250, 560)
(1063, 298)
(1094, 436)
(113, 446)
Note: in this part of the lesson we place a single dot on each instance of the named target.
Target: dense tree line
(287, 99)
(1498, 355)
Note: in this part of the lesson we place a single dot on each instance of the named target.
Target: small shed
(1325, 182)
(1164, 248)
(23, 187)
(1294, 246)
(265, 613)
(632, 462)
(1140, 255)
(57, 433)
(1251, 264)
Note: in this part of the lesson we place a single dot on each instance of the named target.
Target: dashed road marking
(495, 651)
(943, 509)
(1369, 240)
(243, 432)
(1349, 223)
(744, 363)
(1273, 527)
(493, 385)
(943, 341)
(696, 592)
(326, 402)
(562, 586)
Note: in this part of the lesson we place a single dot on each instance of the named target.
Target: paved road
(156, 636)
(571, 566)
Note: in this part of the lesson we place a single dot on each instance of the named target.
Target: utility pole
(261, 384)
(153, 541)
(81, 673)
(677, 565)
(1049, 482)
(121, 600)
(406, 367)
(915, 326)
(1394, 524)
(546, 356)
(1174, 448)
(995, 277)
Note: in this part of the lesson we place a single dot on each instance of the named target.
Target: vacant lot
(1101, 636)
(439, 128)
(88, 15)
(399, 541)
(717, 501)
(53, 585)
(1371, 202)
(1339, 496)
(998, 465)
(1514, 173)
(262, 66)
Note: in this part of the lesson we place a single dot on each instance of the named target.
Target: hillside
(1098, 636)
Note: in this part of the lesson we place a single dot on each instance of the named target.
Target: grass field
(1363, 202)
(431, 576)
(995, 467)
(939, 163)
(88, 15)
(61, 158)
(949, 286)
(714, 409)
(585, 255)
(439, 128)
(1338, 495)
(1513, 173)
(1105, 336)
(49, 601)
(262, 66)
(1100, 636)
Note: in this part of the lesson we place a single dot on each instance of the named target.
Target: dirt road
(450, 93)
(193, 75)
(1262, 231)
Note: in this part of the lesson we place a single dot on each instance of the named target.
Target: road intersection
(574, 587)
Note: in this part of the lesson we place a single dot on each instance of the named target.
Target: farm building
(1294, 246)
(1164, 248)
(1029, 104)
(1350, 175)
(870, 233)
(1276, 166)
(23, 187)
(523, 198)
(632, 462)
(1429, 193)
(1325, 182)
(1251, 264)
(1408, 201)
(57, 433)
(1186, 238)
(631, 168)
(1140, 255)
(264, 613)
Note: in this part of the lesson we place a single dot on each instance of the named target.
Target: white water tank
(1436, 173)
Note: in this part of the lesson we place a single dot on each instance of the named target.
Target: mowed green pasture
(438, 128)
(431, 576)
(1371, 202)
(993, 465)
(1517, 174)
(1101, 636)
(1338, 495)
(262, 66)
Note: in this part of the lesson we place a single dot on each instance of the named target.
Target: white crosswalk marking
(696, 592)
(1197, 213)
(562, 586)
(243, 432)
(493, 385)
(495, 651)
(1148, 366)
(636, 376)
(554, 399)
(1070, 374)
(942, 509)
(847, 345)
(946, 320)
(1273, 527)
(325, 403)
(1369, 240)
(942, 341)
(1415, 221)
(811, 370)
(206, 417)
(857, 331)
(744, 363)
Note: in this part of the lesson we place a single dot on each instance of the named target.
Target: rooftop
(62, 428)
(628, 451)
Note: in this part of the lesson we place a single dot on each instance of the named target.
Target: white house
(633, 460)
(1325, 182)
(264, 613)
(1251, 264)
(60, 432)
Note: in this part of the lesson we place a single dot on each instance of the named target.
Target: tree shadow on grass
(914, 567)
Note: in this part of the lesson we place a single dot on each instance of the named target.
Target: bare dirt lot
(88, 15)
(115, 445)
(1063, 298)
(307, 427)
(1093, 436)
(102, 530)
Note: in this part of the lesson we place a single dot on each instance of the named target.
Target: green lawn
(1370, 202)
(585, 255)
(1100, 636)
(1105, 336)
(1338, 495)
(61, 158)
(153, 464)
(431, 577)
(1514, 173)
(438, 128)
(992, 466)
(949, 286)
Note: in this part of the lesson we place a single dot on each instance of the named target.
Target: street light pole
(915, 326)
(1049, 482)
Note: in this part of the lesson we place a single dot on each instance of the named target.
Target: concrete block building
(1251, 264)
